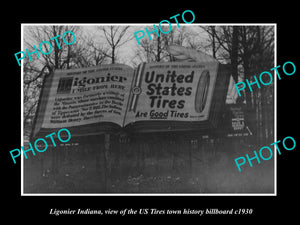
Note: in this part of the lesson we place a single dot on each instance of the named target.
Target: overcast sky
(127, 52)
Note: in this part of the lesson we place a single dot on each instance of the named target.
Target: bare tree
(154, 50)
(91, 53)
(115, 37)
(250, 50)
(61, 56)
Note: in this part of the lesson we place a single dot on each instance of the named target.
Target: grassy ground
(209, 171)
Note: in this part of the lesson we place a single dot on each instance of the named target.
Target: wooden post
(117, 157)
(190, 149)
(174, 150)
(106, 164)
(139, 149)
(54, 160)
(143, 149)
(41, 158)
(202, 144)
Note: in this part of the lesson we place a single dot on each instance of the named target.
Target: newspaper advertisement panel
(88, 95)
(172, 91)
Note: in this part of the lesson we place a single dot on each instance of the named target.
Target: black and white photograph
(150, 111)
(158, 114)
